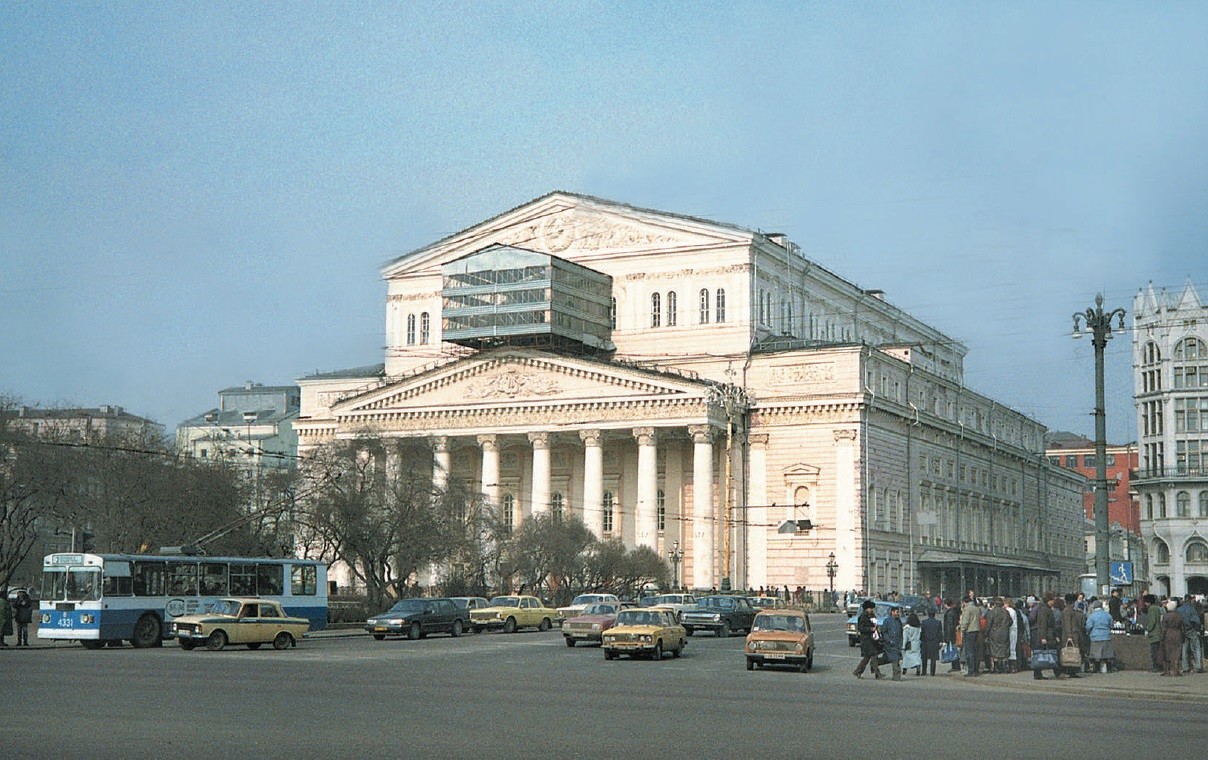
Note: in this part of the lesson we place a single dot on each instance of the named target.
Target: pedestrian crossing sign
(1121, 573)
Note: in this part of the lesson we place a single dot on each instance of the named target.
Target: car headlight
(172, 628)
(646, 639)
(595, 626)
(716, 618)
(800, 647)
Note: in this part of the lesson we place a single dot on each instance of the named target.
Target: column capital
(440, 444)
(540, 440)
(701, 433)
(758, 439)
(646, 436)
(488, 442)
(590, 437)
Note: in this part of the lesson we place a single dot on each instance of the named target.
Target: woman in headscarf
(998, 636)
(912, 656)
(1172, 639)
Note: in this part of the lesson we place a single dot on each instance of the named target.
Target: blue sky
(197, 194)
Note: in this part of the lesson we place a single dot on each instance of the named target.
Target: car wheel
(414, 631)
(456, 629)
(254, 646)
(689, 630)
(750, 665)
(569, 641)
(282, 640)
(476, 628)
(187, 645)
(809, 662)
(609, 654)
(146, 632)
(509, 625)
(679, 650)
(216, 641)
(851, 643)
(91, 643)
(724, 631)
(657, 654)
(545, 625)
(379, 636)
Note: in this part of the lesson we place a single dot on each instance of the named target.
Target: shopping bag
(949, 653)
(1044, 658)
(1071, 655)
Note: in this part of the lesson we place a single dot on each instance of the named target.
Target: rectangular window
(304, 580)
(1071, 461)
(150, 579)
(1110, 460)
(243, 580)
(213, 579)
(1089, 461)
(269, 580)
(182, 578)
(116, 579)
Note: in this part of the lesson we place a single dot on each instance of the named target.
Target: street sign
(1121, 573)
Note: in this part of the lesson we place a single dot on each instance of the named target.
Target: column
(442, 462)
(593, 481)
(646, 511)
(392, 461)
(761, 515)
(541, 473)
(702, 506)
(850, 526)
(490, 469)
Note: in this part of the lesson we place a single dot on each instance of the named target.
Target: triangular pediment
(575, 227)
(519, 378)
(801, 472)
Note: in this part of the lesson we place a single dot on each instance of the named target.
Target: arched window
(425, 328)
(656, 309)
(672, 309)
(1162, 506)
(1197, 552)
(1182, 504)
(608, 506)
(720, 303)
(509, 511)
(1190, 364)
(555, 503)
(1148, 506)
(1161, 552)
(410, 329)
(612, 313)
(704, 306)
(1203, 503)
(1151, 354)
(661, 502)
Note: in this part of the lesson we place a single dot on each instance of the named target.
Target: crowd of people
(1068, 635)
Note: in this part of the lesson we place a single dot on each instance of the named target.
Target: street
(527, 693)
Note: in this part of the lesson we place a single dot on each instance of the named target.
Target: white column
(593, 481)
(646, 511)
(703, 519)
(759, 517)
(541, 473)
(442, 462)
(849, 538)
(490, 469)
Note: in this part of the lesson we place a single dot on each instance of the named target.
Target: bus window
(83, 584)
(116, 580)
(182, 578)
(54, 584)
(303, 580)
(243, 580)
(213, 579)
(150, 578)
(269, 580)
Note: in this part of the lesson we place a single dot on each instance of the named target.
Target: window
(410, 329)
(1161, 552)
(656, 309)
(1203, 503)
(721, 305)
(704, 306)
(1182, 504)
(555, 503)
(672, 307)
(1148, 506)
(661, 502)
(608, 505)
(1162, 506)
(425, 325)
(1197, 552)
(1110, 460)
(1191, 364)
(304, 580)
(116, 579)
(213, 579)
(270, 580)
(243, 580)
(509, 512)
(612, 312)
(1071, 461)
(1089, 460)
(182, 578)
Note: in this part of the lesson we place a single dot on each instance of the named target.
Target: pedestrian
(892, 637)
(952, 623)
(1080, 603)
(970, 629)
(1013, 640)
(870, 639)
(998, 636)
(1044, 631)
(1099, 631)
(912, 652)
(1073, 630)
(1114, 603)
(931, 633)
(1153, 630)
(1193, 626)
(23, 615)
(6, 620)
(1172, 639)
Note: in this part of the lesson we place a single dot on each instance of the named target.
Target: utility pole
(733, 401)
(1099, 323)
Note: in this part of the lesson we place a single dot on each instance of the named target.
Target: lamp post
(734, 402)
(676, 555)
(1099, 323)
(832, 568)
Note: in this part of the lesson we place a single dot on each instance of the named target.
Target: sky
(193, 195)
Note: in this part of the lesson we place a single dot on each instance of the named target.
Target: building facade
(1170, 361)
(673, 380)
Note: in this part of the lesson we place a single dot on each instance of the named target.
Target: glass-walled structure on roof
(511, 296)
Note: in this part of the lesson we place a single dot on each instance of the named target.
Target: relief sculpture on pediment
(562, 232)
(512, 383)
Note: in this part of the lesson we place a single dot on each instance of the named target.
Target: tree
(548, 552)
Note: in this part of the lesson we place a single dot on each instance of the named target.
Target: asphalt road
(527, 694)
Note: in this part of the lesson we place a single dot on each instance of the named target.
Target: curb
(1119, 692)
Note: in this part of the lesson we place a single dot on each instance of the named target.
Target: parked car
(581, 602)
(416, 618)
(720, 614)
(882, 612)
(767, 602)
(469, 603)
(919, 605)
(510, 613)
(239, 621)
(590, 625)
(644, 632)
(781, 637)
(853, 605)
(676, 602)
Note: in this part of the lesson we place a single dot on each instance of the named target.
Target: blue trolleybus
(100, 599)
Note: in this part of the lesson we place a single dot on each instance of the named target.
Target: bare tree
(548, 552)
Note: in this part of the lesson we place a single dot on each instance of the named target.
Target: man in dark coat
(1073, 628)
(1113, 606)
(929, 639)
(866, 626)
(891, 635)
(1044, 631)
(23, 615)
(952, 619)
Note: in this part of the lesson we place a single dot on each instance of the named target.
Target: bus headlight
(86, 618)
(45, 617)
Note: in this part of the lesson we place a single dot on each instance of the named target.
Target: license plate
(380, 628)
(773, 656)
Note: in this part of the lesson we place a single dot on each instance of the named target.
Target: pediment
(519, 378)
(801, 472)
(575, 227)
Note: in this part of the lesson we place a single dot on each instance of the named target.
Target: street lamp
(832, 568)
(734, 401)
(1099, 323)
(676, 555)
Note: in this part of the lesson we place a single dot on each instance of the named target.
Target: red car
(591, 624)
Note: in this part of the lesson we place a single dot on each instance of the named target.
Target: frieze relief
(512, 383)
(577, 231)
(803, 373)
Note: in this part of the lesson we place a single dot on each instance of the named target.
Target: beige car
(250, 622)
(645, 632)
(510, 613)
(780, 637)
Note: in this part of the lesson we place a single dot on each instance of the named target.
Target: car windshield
(505, 601)
(779, 623)
(720, 602)
(409, 605)
(638, 617)
(600, 609)
(586, 599)
(669, 599)
(228, 607)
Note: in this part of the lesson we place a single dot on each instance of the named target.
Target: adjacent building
(83, 423)
(680, 383)
(1170, 361)
(252, 427)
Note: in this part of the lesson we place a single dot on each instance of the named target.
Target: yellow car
(780, 637)
(509, 613)
(645, 632)
(239, 621)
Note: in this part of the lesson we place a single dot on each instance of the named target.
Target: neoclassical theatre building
(686, 384)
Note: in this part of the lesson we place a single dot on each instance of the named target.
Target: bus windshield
(76, 584)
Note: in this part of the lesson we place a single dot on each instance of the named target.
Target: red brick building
(1077, 453)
